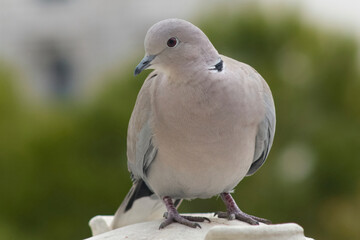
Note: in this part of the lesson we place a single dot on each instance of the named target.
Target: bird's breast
(208, 111)
(204, 134)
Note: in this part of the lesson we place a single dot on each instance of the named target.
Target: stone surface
(216, 230)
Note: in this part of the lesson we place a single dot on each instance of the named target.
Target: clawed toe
(242, 217)
(246, 218)
(221, 214)
(190, 218)
(196, 219)
(172, 216)
(263, 220)
(185, 220)
(165, 223)
(234, 212)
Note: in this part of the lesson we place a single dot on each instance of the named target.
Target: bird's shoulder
(244, 73)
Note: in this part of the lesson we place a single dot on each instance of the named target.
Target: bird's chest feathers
(205, 110)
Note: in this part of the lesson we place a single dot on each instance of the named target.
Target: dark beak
(145, 63)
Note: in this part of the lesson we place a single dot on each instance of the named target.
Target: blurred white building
(62, 47)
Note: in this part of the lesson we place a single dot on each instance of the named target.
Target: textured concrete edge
(288, 231)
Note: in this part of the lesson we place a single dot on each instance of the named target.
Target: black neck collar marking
(219, 66)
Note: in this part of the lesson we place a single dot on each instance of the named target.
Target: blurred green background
(62, 163)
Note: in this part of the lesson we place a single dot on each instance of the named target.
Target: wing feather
(266, 131)
(140, 148)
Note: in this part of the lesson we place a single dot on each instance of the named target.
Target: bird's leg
(234, 212)
(172, 215)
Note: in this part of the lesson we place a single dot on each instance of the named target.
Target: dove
(201, 123)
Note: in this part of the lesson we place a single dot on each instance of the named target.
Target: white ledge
(217, 229)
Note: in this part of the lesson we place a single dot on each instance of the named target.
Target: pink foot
(234, 212)
(172, 216)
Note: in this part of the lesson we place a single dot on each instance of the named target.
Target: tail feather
(139, 205)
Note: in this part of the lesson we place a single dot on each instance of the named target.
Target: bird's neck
(196, 66)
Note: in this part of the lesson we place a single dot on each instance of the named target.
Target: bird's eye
(172, 42)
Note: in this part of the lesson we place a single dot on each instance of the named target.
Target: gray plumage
(201, 122)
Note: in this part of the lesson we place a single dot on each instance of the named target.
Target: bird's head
(175, 44)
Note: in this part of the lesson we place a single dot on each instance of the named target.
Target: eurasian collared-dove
(201, 123)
